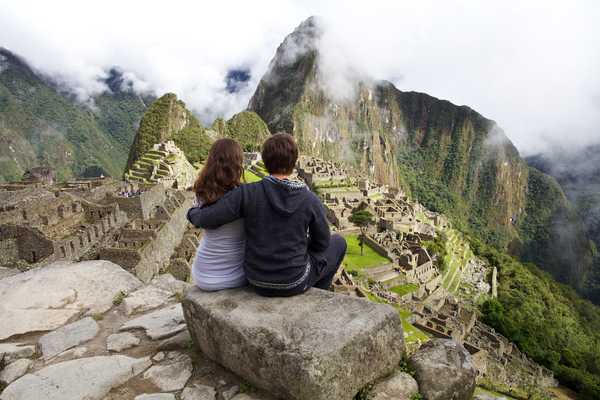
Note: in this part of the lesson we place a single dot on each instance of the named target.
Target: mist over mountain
(530, 66)
(578, 172)
(41, 124)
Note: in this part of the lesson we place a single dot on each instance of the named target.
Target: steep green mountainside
(40, 126)
(578, 172)
(553, 234)
(246, 127)
(547, 320)
(167, 118)
(449, 157)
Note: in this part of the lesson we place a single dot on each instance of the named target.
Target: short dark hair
(280, 153)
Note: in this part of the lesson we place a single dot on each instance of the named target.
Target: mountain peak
(9, 60)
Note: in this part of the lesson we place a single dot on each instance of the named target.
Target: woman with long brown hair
(220, 255)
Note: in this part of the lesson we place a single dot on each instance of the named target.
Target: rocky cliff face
(453, 145)
(42, 126)
(451, 158)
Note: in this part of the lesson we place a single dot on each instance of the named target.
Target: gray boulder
(121, 341)
(155, 396)
(444, 370)
(398, 386)
(159, 324)
(178, 342)
(43, 299)
(68, 336)
(13, 351)
(87, 378)
(199, 392)
(173, 374)
(15, 370)
(318, 345)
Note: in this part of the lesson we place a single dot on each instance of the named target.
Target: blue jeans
(321, 276)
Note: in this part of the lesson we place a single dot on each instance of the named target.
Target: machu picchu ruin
(139, 224)
(183, 218)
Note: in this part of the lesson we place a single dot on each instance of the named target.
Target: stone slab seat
(317, 346)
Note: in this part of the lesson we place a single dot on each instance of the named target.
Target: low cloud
(532, 66)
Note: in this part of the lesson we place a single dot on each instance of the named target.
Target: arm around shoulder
(227, 209)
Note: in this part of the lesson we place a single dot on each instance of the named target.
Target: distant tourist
(220, 255)
(288, 244)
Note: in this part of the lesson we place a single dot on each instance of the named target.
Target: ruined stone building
(140, 226)
(317, 172)
(145, 244)
(251, 159)
(41, 225)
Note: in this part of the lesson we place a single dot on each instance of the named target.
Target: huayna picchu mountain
(451, 158)
(167, 118)
(40, 124)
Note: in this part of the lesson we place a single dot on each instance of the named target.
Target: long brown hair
(222, 171)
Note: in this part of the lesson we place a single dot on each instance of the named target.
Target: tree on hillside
(362, 219)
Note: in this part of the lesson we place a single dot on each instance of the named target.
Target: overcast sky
(532, 66)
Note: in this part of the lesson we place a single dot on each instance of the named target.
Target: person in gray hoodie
(289, 247)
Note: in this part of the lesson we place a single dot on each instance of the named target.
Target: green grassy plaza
(354, 262)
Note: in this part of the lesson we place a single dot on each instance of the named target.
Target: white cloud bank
(531, 66)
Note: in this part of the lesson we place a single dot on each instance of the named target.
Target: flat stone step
(318, 345)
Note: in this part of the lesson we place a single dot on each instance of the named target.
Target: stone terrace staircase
(152, 166)
(164, 163)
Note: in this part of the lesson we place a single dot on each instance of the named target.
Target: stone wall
(9, 251)
(156, 254)
(379, 249)
(143, 205)
(127, 258)
(66, 231)
(145, 246)
(32, 245)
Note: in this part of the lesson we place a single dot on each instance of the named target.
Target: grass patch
(480, 390)
(98, 316)
(355, 262)
(411, 333)
(401, 290)
(118, 299)
(250, 176)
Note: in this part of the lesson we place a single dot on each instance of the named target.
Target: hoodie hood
(285, 196)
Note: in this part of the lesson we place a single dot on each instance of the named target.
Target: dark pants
(321, 276)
